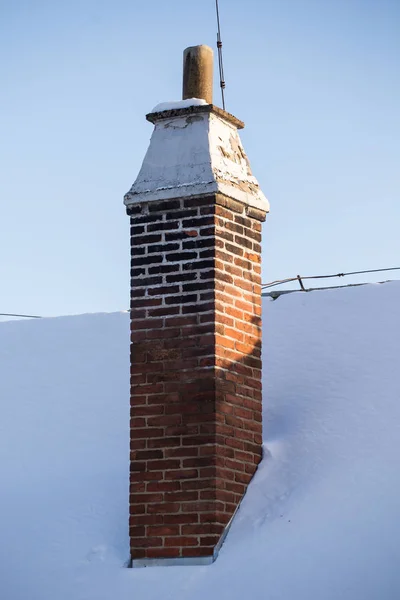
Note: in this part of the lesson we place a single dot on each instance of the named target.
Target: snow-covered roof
(320, 519)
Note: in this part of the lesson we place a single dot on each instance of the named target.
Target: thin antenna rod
(220, 63)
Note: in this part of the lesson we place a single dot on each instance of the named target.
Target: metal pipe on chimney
(198, 73)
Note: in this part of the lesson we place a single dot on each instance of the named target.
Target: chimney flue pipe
(198, 73)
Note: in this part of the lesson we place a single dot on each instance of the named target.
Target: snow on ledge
(179, 104)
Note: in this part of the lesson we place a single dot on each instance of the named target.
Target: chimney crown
(195, 148)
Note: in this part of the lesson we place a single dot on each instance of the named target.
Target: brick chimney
(196, 211)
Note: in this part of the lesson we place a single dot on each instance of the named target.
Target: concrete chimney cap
(193, 152)
(195, 148)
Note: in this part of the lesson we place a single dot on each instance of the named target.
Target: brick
(164, 205)
(181, 235)
(234, 227)
(197, 462)
(207, 253)
(162, 333)
(182, 474)
(134, 210)
(143, 303)
(234, 249)
(181, 518)
(196, 372)
(160, 226)
(207, 210)
(181, 452)
(243, 221)
(180, 256)
(137, 531)
(164, 420)
(162, 247)
(224, 256)
(199, 483)
(163, 552)
(137, 251)
(137, 314)
(148, 432)
(182, 496)
(180, 214)
(138, 552)
(141, 498)
(205, 528)
(187, 552)
(209, 540)
(181, 299)
(138, 272)
(255, 213)
(145, 281)
(137, 230)
(162, 312)
(163, 530)
(164, 508)
(143, 240)
(163, 290)
(231, 204)
(148, 454)
(135, 519)
(201, 264)
(253, 257)
(207, 296)
(207, 231)
(198, 308)
(244, 242)
(163, 486)
(198, 243)
(148, 260)
(145, 219)
(146, 542)
(199, 222)
(188, 203)
(163, 269)
(181, 541)
(181, 277)
(194, 287)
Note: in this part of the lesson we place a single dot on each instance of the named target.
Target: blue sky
(316, 82)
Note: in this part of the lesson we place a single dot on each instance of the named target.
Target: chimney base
(195, 561)
(200, 561)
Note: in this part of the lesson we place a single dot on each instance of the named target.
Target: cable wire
(15, 315)
(264, 285)
(300, 278)
(220, 62)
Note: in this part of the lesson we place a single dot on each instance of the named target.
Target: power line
(15, 315)
(220, 63)
(301, 278)
(278, 293)
(264, 286)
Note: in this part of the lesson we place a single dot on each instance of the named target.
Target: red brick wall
(195, 371)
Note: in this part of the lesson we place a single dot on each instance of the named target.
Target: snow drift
(320, 519)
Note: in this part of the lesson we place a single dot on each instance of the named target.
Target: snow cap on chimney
(195, 148)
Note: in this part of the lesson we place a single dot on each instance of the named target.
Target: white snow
(321, 518)
(178, 104)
